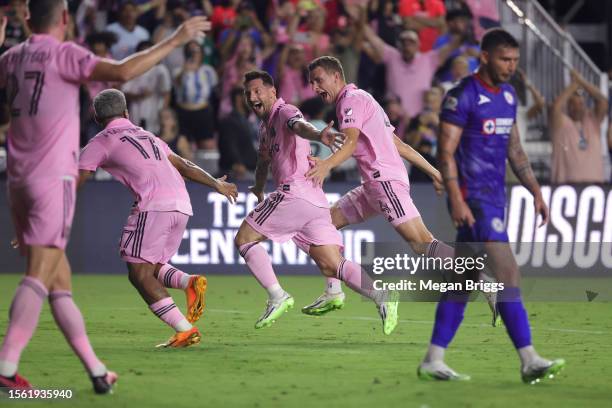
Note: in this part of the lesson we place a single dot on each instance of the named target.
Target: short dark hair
(458, 13)
(45, 13)
(328, 63)
(143, 45)
(107, 38)
(258, 74)
(125, 4)
(497, 37)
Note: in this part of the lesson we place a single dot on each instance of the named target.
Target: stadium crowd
(407, 53)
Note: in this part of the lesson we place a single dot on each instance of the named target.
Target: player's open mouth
(323, 95)
(257, 105)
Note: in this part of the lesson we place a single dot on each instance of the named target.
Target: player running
(154, 230)
(385, 189)
(298, 208)
(478, 134)
(39, 88)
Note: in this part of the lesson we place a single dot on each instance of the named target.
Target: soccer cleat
(15, 382)
(183, 339)
(439, 371)
(388, 312)
(104, 383)
(533, 375)
(325, 303)
(274, 310)
(196, 301)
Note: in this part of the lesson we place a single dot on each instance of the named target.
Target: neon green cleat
(324, 304)
(274, 310)
(534, 375)
(438, 371)
(388, 312)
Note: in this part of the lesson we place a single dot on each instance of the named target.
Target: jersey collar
(344, 90)
(119, 122)
(274, 109)
(492, 89)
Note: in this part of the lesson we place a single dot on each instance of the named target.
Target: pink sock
(69, 319)
(333, 285)
(167, 311)
(23, 319)
(259, 263)
(357, 279)
(171, 277)
(439, 249)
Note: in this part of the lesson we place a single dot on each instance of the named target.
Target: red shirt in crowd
(428, 8)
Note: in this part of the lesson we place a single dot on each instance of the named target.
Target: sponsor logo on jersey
(348, 111)
(488, 126)
(483, 99)
(509, 97)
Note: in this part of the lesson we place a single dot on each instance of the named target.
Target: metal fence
(548, 54)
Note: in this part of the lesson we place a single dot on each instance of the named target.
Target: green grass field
(342, 359)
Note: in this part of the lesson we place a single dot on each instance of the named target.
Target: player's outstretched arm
(139, 63)
(193, 172)
(450, 135)
(328, 136)
(519, 162)
(261, 175)
(322, 168)
(414, 157)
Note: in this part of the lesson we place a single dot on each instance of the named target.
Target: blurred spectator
(292, 75)
(311, 36)
(425, 125)
(539, 103)
(459, 69)
(236, 138)
(577, 151)
(246, 23)
(195, 83)
(426, 149)
(459, 27)
(148, 94)
(16, 28)
(347, 40)
(129, 34)
(244, 58)
(425, 17)
(407, 66)
(398, 118)
(485, 15)
(223, 15)
(387, 23)
(169, 133)
(171, 20)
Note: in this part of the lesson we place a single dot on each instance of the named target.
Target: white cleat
(439, 371)
(274, 310)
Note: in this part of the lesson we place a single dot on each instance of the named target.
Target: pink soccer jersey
(139, 160)
(41, 77)
(376, 154)
(289, 154)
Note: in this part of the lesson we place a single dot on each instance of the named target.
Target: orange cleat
(183, 339)
(196, 301)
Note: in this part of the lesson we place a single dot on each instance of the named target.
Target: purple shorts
(390, 199)
(281, 217)
(42, 212)
(152, 236)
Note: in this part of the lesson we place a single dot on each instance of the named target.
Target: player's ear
(126, 114)
(65, 17)
(97, 120)
(484, 57)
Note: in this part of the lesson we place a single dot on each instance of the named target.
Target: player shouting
(298, 208)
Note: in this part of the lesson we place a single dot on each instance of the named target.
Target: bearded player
(298, 209)
(478, 134)
(39, 88)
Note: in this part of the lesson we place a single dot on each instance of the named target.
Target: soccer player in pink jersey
(39, 88)
(385, 189)
(154, 230)
(298, 209)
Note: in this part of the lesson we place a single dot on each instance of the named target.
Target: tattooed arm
(522, 169)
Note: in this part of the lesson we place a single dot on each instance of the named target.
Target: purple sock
(449, 315)
(514, 316)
